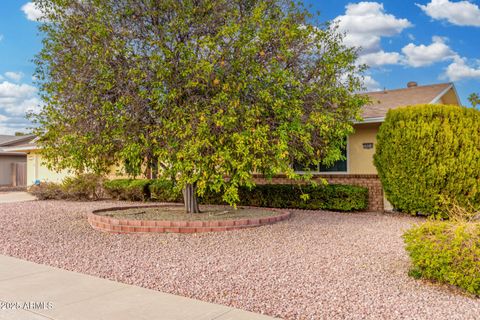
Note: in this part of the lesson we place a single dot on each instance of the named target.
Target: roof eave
(371, 120)
(441, 94)
(19, 139)
(21, 148)
(9, 153)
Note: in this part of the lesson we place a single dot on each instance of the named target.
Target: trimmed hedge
(446, 251)
(329, 197)
(428, 152)
(128, 189)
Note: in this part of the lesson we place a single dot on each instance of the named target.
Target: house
(13, 164)
(356, 169)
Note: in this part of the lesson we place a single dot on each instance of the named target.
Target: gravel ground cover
(177, 212)
(317, 265)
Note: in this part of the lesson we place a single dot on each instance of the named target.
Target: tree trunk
(154, 168)
(190, 198)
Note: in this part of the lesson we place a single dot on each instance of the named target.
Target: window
(338, 166)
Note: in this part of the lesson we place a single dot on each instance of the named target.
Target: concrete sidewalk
(15, 196)
(38, 292)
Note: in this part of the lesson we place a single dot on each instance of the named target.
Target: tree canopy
(207, 91)
(474, 99)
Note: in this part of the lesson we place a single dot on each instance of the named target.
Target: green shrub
(427, 152)
(446, 251)
(87, 186)
(329, 197)
(163, 190)
(47, 191)
(81, 187)
(128, 189)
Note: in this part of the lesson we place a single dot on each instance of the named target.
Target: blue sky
(428, 41)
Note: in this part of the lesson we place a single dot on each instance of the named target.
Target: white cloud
(10, 125)
(459, 69)
(14, 76)
(15, 101)
(32, 12)
(371, 84)
(461, 13)
(422, 55)
(380, 58)
(366, 22)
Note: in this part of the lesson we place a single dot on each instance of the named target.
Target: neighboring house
(356, 169)
(13, 164)
(36, 169)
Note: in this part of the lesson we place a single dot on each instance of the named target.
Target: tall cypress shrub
(428, 152)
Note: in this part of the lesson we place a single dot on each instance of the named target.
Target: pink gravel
(317, 265)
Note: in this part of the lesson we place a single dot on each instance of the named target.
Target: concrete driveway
(15, 196)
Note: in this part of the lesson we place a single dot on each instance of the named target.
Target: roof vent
(412, 84)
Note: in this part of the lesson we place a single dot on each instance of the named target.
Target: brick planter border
(114, 225)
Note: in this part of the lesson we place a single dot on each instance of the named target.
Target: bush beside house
(446, 251)
(128, 189)
(428, 160)
(163, 190)
(81, 187)
(329, 197)
(425, 152)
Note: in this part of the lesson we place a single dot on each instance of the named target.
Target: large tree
(207, 91)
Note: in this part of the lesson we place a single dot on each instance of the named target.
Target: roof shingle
(7, 140)
(382, 101)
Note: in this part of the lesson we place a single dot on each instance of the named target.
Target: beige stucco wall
(37, 170)
(117, 172)
(360, 160)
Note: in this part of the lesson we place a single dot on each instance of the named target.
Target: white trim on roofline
(371, 120)
(441, 94)
(21, 148)
(456, 94)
